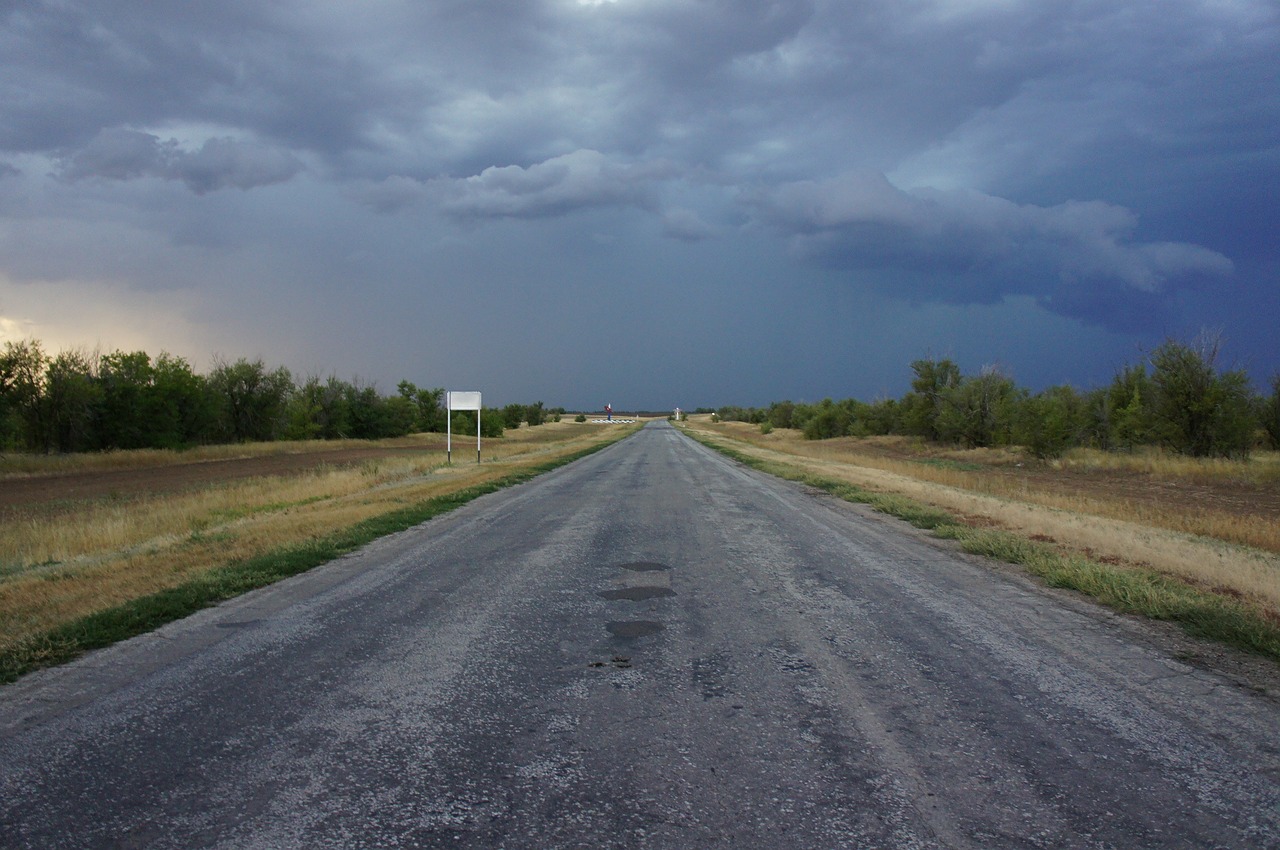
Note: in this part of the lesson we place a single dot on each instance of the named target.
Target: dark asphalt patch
(636, 594)
(633, 628)
(644, 567)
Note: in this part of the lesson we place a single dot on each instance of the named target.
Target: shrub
(1270, 412)
(513, 415)
(978, 412)
(1050, 423)
(251, 400)
(935, 380)
(1197, 410)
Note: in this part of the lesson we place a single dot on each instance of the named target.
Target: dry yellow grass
(56, 569)
(1213, 549)
(1262, 469)
(971, 470)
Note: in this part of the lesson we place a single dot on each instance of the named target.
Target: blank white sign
(464, 401)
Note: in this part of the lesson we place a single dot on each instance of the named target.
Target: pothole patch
(633, 628)
(644, 567)
(636, 594)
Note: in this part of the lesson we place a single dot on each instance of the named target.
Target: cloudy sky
(646, 202)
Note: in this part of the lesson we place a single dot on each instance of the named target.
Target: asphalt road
(652, 647)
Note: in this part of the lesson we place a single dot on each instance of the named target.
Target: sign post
(461, 401)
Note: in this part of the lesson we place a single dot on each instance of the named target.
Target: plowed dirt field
(51, 490)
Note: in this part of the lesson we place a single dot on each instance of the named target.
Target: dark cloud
(219, 163)
(1067, 255)
(1108, 166)
(77, 68)
(390, 195)
(560, 185)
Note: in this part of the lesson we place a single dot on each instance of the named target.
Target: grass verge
(1129, 590)
(143, 614)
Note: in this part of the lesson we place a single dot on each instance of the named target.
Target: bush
(1050, 423)
(978, 412)
(513, 415)
(491, 422)
(921, 408)
(250, 400)
(766, 427)
(1270, 412)
(1197, 410)
(781, 414)
(827, 420)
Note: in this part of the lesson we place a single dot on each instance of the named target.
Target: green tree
(400, 416)
(535, 414)
(512, 416)
(827, 420)
(979, 411)
(1270, 412)
(319, 410)
(1198, 410)
(22, 382)
(464, 422)
(251, 401)
(1050, 422)
(1129, 404)
(1096, 419)
(369, 420)
(335, 409)
(72, 397)
(428, 403)
(181, 408)
(922, 408)
(125, 415)
(883, 416)
(781, 414)
(304, 411)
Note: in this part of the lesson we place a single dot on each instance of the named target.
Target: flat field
(83, 535)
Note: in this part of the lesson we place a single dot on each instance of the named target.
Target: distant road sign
(464, 401)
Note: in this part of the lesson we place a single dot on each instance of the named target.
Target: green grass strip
(1128, 590)
(147, 613)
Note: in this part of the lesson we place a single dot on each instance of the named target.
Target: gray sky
(646, 202)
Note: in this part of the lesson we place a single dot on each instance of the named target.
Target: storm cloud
(764, 192)
(119, 154)
(983, 244)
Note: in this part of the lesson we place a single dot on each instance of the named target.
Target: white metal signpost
(461, 401)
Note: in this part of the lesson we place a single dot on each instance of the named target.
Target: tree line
(1177, 398)
(78, 401)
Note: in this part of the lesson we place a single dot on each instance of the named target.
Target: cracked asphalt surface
(652, 647)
